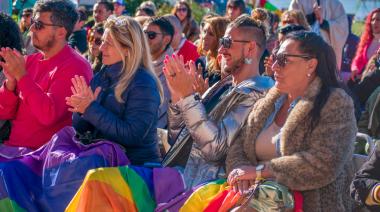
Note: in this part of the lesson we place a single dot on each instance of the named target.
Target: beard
(235, 67)
(44, 46)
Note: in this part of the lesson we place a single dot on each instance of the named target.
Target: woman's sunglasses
(282, 60)
(38, 25)
(151, 35)
(97, 41)
(226, 42)
(182, 9)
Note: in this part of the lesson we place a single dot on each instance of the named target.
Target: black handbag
(5, 131)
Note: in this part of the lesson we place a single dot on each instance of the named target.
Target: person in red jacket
(180, 44)
(33, 95)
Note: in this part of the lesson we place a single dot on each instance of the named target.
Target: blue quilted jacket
(131, 124)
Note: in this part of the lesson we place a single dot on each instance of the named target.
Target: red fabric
(230, 201)
(262, 3)
(361, 60)
(298, 201)
(188, 51)
(38, 108)
(215, 203)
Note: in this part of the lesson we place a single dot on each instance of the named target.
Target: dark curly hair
(63, 13)
(10, 35)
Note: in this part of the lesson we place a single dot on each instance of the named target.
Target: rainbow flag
(48, 178)
(267, 5)
(127, 188)
(214, 196)
(270, 7)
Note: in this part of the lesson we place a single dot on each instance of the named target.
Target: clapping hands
(183, 79)
(13, 65)
(82, 95)
(179, 78)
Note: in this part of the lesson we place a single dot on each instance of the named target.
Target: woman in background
(183, 12)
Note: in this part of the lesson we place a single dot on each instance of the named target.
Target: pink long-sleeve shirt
(37, 109)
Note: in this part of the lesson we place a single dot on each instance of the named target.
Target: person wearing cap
(147, 8)
(235, 8)
(119, 7)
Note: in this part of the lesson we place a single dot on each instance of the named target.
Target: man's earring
(247, 61)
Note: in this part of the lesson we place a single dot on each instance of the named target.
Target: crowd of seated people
(239, 100)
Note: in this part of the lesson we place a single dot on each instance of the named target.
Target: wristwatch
(259, 169)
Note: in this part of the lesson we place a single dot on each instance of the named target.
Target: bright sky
(360, 7)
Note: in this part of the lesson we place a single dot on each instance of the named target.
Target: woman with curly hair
(369, 43)
(183, 12)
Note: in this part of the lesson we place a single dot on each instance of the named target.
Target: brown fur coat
(317, 164)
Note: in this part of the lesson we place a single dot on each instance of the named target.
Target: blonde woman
(213, 30)
(122, 102)
(294, 17)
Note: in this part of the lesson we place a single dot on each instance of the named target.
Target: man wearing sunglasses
(159, 33)
(202, 129)
(33, 96)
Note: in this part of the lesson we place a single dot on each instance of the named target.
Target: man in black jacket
(365, 188)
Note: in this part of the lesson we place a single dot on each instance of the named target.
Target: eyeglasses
(281, 58)
(26, 15)
(152, 35)
(182, 9)
(97, 41)
(232, 7)
(226, 42)
(40, 25)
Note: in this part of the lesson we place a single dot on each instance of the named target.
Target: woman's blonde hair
(218, 26)
(128, 35)
(298, 16)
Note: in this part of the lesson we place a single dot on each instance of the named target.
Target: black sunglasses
(182, 9)
(226, 42)
(152, 35)
(40, 25)
(281, 58)
(26, 15)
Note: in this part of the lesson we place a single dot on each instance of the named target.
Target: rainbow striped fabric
(48, 178)
(127, 188)
(211, 197)
(270, 7)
